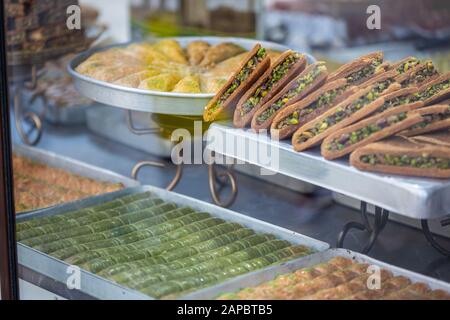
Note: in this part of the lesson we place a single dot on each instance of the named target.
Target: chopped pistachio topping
(422, 75)
(407, 65)
(423, 162)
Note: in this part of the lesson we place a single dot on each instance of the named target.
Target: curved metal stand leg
(381, 219)
(221, 178)
(179, 173)
(139, 131)
(432, 240)
(31, 117)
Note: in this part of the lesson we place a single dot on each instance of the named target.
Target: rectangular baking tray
(262, 276)
(41, 269)
(73, 166)
(417, 198)
(54, 160)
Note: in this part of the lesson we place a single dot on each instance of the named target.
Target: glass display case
(224, 150)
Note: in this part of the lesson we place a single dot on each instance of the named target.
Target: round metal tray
(153, 101)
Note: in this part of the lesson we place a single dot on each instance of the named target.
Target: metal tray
(258, 277)
(154, 101)
(73, 166)
(417, 198)
(39, 268)
(111, 123)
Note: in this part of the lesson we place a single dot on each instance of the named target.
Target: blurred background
(334, 30)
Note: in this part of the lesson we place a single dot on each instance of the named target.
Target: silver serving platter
(262, 276)
(52, 274)
(154, 101)
(417, 198)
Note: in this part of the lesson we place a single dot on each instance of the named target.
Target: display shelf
(416, 198)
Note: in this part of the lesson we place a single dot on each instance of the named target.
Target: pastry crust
(441, 96)
(285, 113)
(227, 108)
(412, 119)
(441, 138)
(367, 110)
(243, 121)
(359, 64)
(435, 126)
(317, 83)
(196, 51)
(409, 78)
(398, 146)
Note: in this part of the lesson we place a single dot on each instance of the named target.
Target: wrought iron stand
(33, 119)
(432, 240)
(381, 219)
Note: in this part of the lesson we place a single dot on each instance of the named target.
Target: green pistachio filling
(434, 89)
(431, 118)
(348, 139)
(364, 73)
(422, 75)
(242, 76)
(422, 162)
(410, 63)
(300, 85)
(277, 74)
(325, 100)
(399, 101)
(339, 115)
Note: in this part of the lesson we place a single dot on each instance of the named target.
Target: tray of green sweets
(147, 243)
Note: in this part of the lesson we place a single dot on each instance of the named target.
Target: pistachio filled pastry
(403, 157)
(405, 65)
(224, 103)
(436, 90)
(361, 69)
(358, 106)
(372, 129)
(294, 116)
(406, 96)
(434, 118)
(418, 75)
(312, 78)
(386, 82)
(281, 72)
